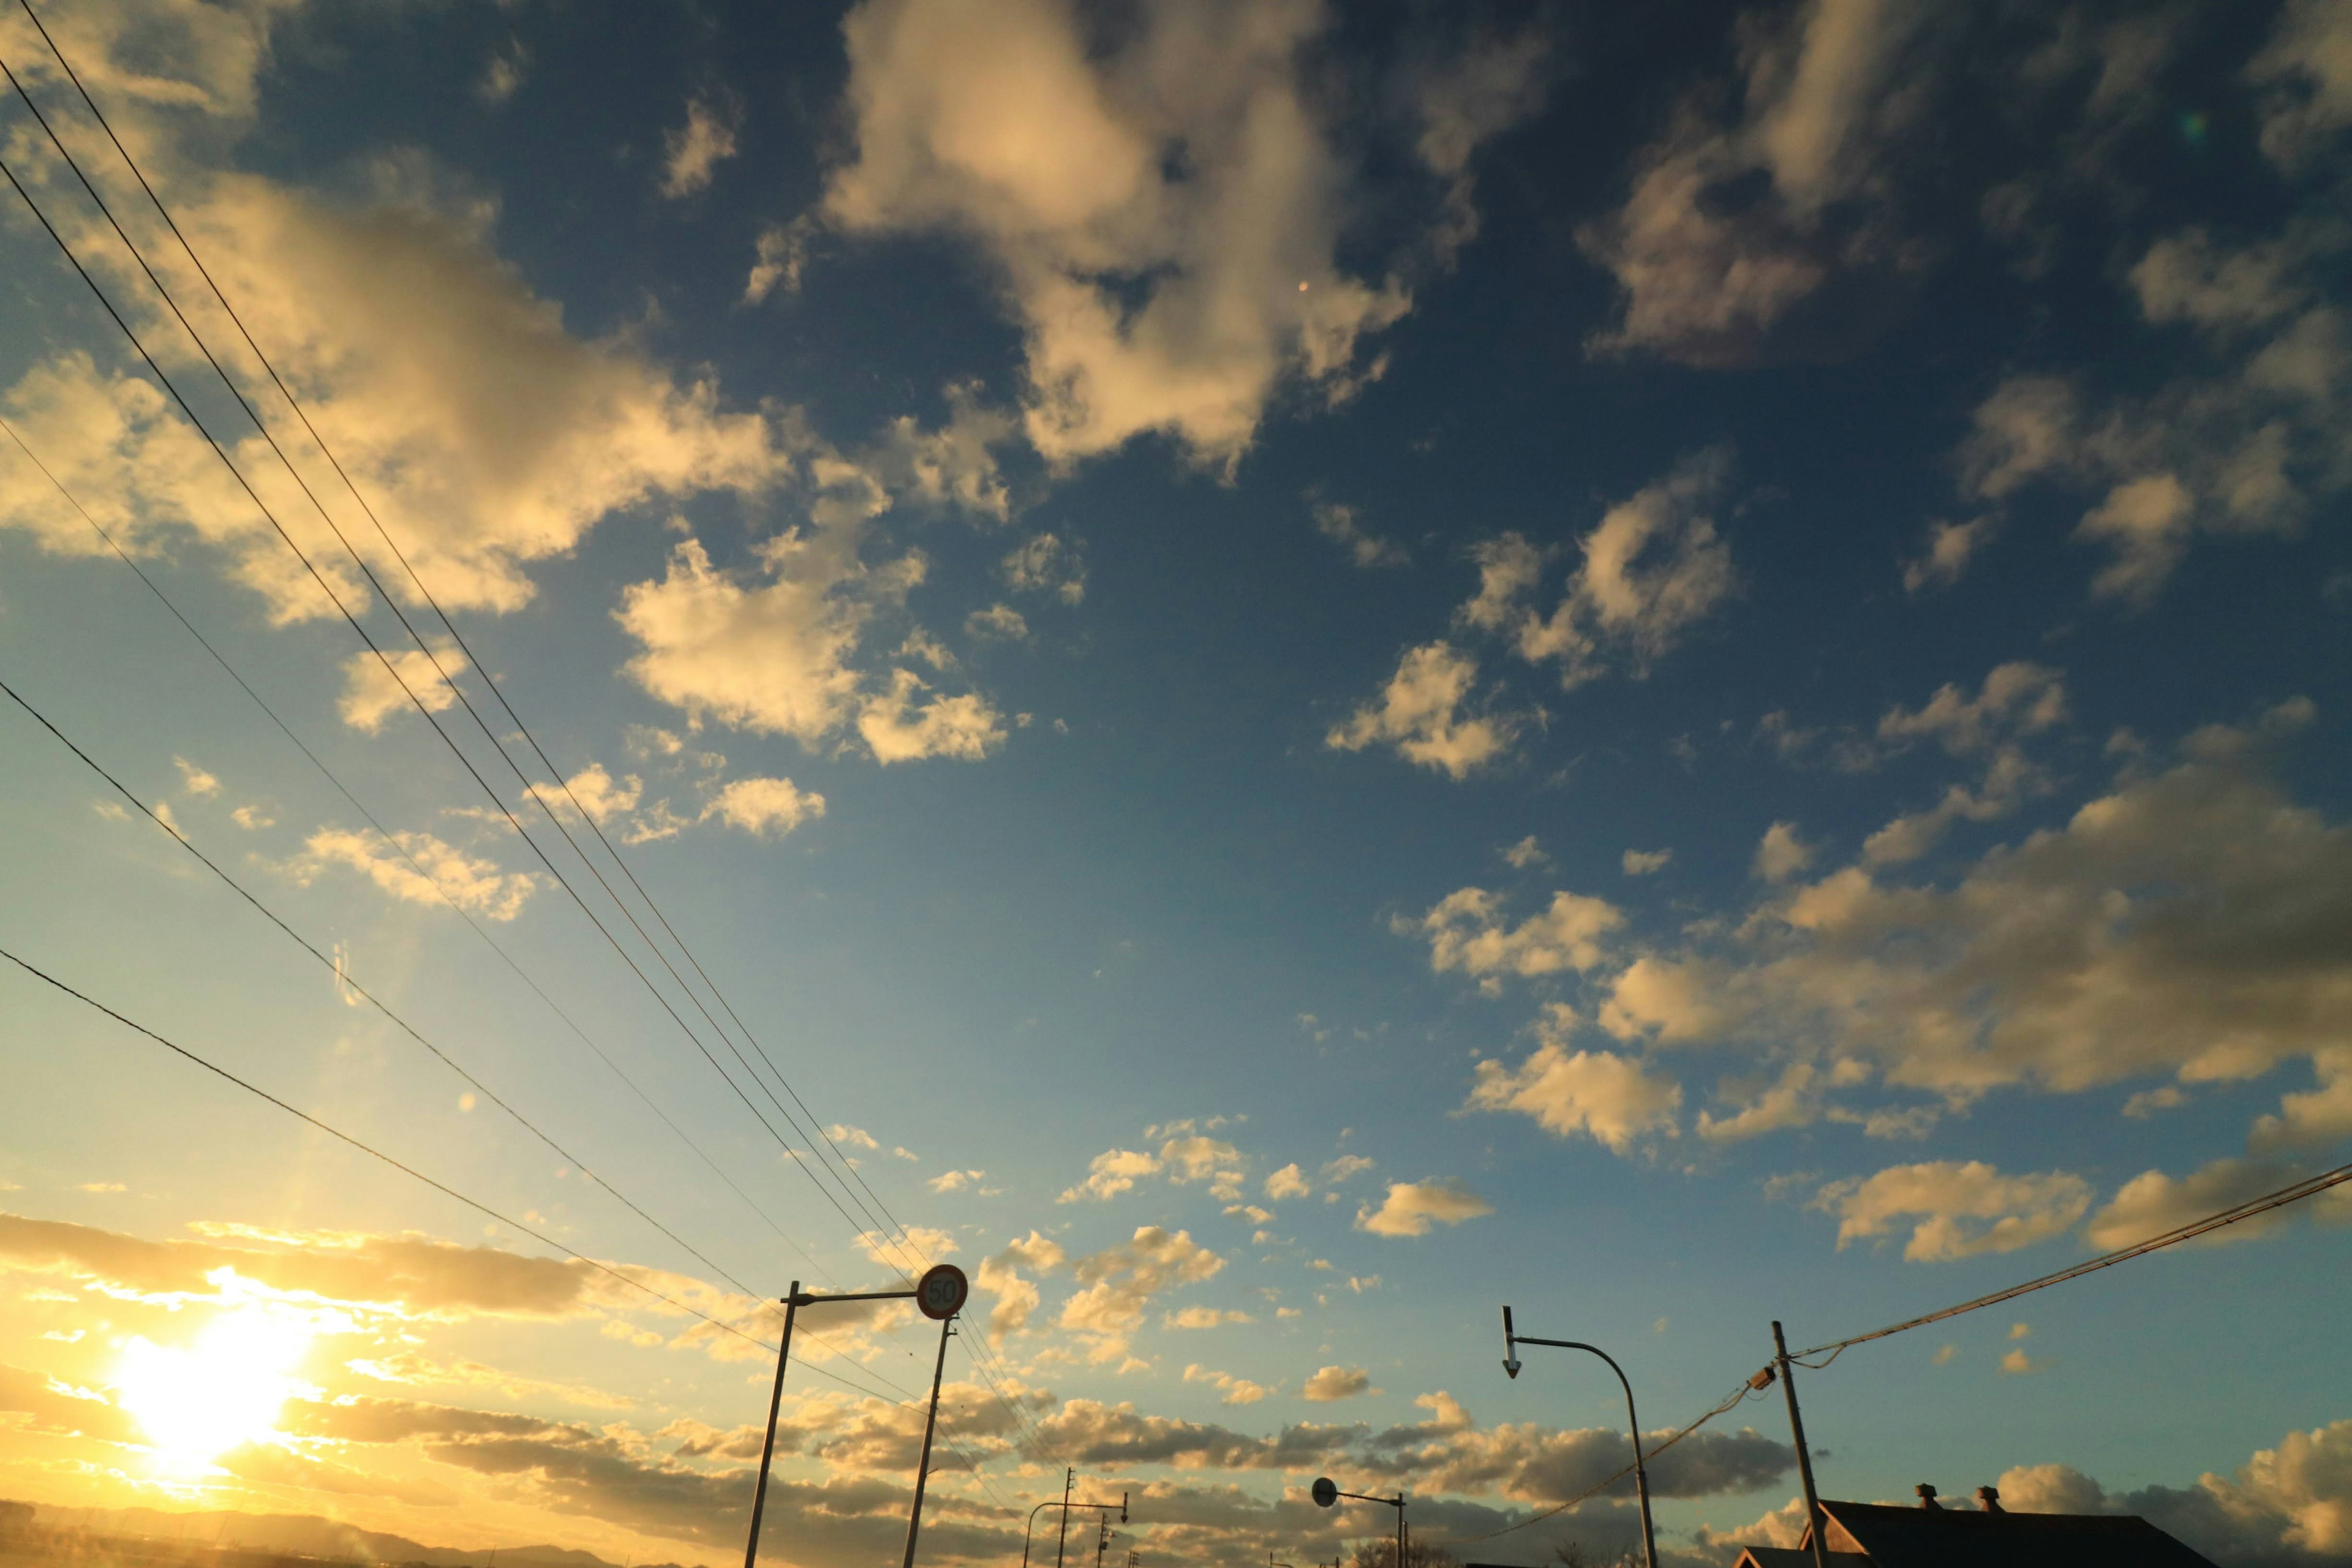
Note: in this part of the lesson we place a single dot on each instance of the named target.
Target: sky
(1274, 674)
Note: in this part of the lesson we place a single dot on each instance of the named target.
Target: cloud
(763, 806)
(1653, 568)
(440, 870)
(2153, 1203)
(1962, 1210)
(195, 780)
(1111, 1173)
(1468, 931)
(954, 1181)
(1727, 227)
(1045, 564)
(779, 255)
(1644, 862)
(1001, 622)
(1611, 1099)
(503, 74)
(1119, 1283)
(1152, 296)
(1337, 523)
(2305, 86)
(372, 693)
(1205, 1318)
(398, 1276)
(2186, 923)
(1525, 855)
(1017, 1297)
(1950, 546)
(1780, 853)
(2318, 1118)
(2292, 1502)
(1236, 1390)
(1419, 713)
(1332, 1384)
(898, 728)
(1411, 1207)
(2241, 440)
(2015, 699)
(1288, 1182)
(486, 437)
(692, 152)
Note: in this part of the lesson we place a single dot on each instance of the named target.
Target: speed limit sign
(941, 1291)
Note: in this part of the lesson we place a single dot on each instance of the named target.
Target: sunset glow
(222, 1389)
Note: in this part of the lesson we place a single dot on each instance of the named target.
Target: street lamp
(1326, 1493)
(939, 1295)
(1512, 1341)
(1064, 1504)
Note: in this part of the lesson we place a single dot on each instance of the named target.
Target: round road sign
(941, 1291)
(1327, 1491)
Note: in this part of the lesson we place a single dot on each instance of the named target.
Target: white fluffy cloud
(1959, 1210)
(1151, 298)
(2188, 922)
(1651, 569)
(1468, 931)
(1421, 713)
(1328, 1384)
(1611, 1097)
(1119, 1282)
(485, 435)
(1411, 1207)
(475, 885)
(1111, 1173)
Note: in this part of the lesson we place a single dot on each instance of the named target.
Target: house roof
(1891, 1536)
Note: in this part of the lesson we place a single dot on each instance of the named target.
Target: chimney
(1927, 1496)
(1989, 1500)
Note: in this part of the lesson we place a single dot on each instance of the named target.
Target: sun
(223, 1388)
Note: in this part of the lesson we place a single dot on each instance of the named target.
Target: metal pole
(923, 1465)
(1400, 1561)
(768, 1448)
(1640, 1471)
(1069, 1480)
(1813, 1516)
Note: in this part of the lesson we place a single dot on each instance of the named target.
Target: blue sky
(1309, 671)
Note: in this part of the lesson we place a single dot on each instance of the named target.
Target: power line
(2294, 1191)
(431, 654)
(814, 1132)
(382, 659)
(341, 473)
(375, 1154)
(398, 847)
(344, 978)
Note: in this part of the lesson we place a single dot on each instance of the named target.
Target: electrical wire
(810, 1135)
(375, 1154)
(401, 849)
(814, 1132)
(344, 979)
(2294, 1191)
(448, 624)
(384, 660)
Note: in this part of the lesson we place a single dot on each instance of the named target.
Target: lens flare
(224, 1388)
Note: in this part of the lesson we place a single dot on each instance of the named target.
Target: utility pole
(931, 1423)
(1814, 1518)
(1102, 1541)
(1069, 1480)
